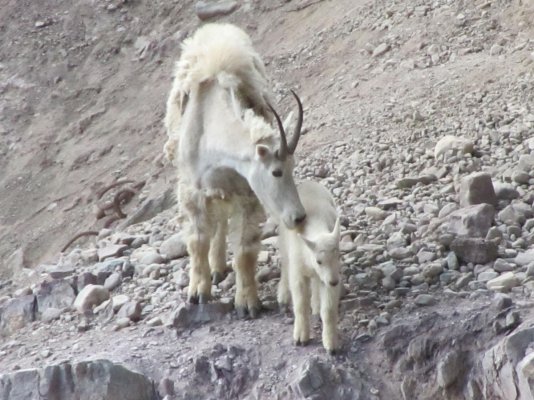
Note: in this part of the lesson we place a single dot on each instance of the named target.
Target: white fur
(310, 284)
(221, 140)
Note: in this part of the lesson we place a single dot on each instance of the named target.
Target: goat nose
(334, 283)
(299, 219)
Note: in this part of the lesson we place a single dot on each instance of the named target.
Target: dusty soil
(82, 93)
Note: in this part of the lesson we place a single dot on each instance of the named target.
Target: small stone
(113, 281)
(156, 321)
(502, 301)
(113, 250)
(206, 10)
(501, 265)
(375, 213)
(521, 177)
(425, 300)
(525, 258)
(122, 322)
(496, 49)
(381, 49)
(487, 276)
(174, 247)
(452, 261)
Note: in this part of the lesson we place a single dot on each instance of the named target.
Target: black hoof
(254, 312)
(216, 278)
(193, 299)
(301, 343)
(333, 352)
(241, 312)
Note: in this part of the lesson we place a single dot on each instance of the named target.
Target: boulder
(477, 188)
(98, 379)
(472, 221)
(475, 250)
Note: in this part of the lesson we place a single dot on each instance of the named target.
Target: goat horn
(283, 140)
(296, 136)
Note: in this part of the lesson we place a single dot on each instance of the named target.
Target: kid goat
(230, 160)
(310, 266)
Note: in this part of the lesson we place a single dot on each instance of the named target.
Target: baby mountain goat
(310, 266)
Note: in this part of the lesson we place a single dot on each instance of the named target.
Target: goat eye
(319, 262)
(277, 173)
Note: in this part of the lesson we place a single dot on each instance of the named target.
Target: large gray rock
(16, 313)
(477, 188)
(506, 368)
(98, 379)
(57, 294)
(475, 250)
(525, 258)
(472, 221)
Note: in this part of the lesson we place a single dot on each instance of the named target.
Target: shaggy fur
(221, 140)
(310, 266)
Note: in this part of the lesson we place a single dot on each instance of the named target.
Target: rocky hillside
(419, 118)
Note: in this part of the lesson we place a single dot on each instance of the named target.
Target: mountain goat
(311, 267)
(230, 160)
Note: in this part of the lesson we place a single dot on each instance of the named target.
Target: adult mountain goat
(310, 266)
(230, 160)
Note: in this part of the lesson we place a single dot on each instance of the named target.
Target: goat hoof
(254, 311)
(193, 299)
(203, 298)
(217, 277)
(241, 312)
(332, 352)
(301, 342)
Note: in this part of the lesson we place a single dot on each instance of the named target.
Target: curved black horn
(296, 136)
(283, 140)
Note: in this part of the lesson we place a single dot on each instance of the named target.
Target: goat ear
(262, 151)
(309, 243)
(337, 228)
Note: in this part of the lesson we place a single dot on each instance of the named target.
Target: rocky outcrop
(98, 379)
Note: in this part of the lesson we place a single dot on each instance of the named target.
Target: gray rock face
(475, 250)
(477, 188)
(513, 379)
(56, 294)
(16, 313)
(99, 379)
(318, 379)
(472, 221)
